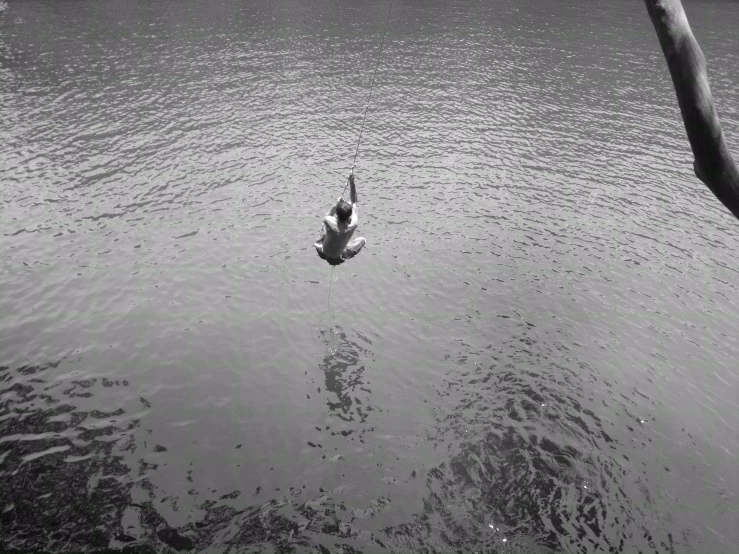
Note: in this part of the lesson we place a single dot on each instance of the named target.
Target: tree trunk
(713, 163)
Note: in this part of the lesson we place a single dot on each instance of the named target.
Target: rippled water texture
(536, 352)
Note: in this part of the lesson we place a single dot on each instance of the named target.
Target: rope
(369, 97)
(354, 163)
(330, 280)
(331, 349)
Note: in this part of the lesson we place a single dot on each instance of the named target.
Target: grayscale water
(536, 352)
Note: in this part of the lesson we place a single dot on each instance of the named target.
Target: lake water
(536, 352)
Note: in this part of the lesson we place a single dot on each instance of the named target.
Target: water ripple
(533, 353)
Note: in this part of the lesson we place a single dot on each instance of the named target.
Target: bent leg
(353, 248)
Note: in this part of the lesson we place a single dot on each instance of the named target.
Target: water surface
(535, 352)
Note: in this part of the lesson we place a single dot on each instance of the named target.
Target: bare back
(338, 234)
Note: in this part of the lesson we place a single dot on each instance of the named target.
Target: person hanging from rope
(340, 222)
(339, 225)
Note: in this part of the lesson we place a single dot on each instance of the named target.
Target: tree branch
(713, 163)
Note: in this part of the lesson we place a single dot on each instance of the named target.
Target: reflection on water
(343, 368)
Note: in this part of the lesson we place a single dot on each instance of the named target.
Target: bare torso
(337, 234)
(334, 245)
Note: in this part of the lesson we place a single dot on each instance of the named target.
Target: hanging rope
(331, 348)
(369, 97)
(354, 162)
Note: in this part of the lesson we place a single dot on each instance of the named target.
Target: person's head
(343, 211)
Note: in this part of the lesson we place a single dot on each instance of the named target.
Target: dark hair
(344, 211)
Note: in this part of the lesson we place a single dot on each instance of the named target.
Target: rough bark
(713, 163)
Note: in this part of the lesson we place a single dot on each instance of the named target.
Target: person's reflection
(343, 370)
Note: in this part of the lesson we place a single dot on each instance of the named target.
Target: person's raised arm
(329, 220)
(352, 188)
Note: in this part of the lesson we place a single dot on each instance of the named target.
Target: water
(534, 353)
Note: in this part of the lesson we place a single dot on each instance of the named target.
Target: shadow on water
(78, 479)
(65, 473)
(527, 466)
(531, 468)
